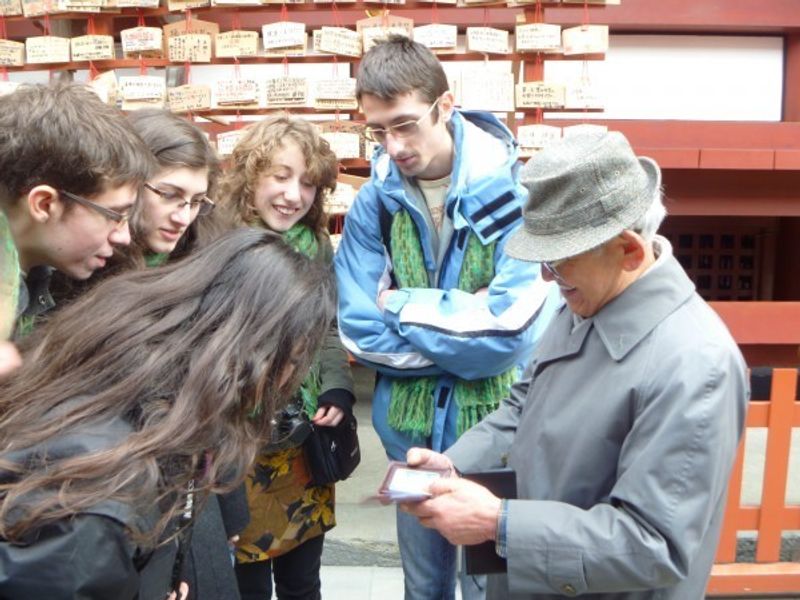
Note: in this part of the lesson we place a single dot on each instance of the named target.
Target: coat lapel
(561, 340)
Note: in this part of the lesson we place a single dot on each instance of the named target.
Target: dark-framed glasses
(201, 205)
(119, 219)
(400, 130)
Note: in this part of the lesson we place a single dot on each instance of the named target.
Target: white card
(284, 34)
(585, 39)
(190, 47)
(143, 87)
(537, 37)
(46, 49)
(537, 136)
(12, 54)
(92, 47)
(538, 94)
(436, 36)
(287, 91)
(236, 43)
(487, 89)
(226, 141)
(340, 40)
(236, 91)
(487, 39)
(141, 39)
(344, 145)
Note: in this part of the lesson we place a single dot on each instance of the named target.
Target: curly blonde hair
(252, 159)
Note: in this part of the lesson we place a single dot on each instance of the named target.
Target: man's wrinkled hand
(462, 511)
(428, 459)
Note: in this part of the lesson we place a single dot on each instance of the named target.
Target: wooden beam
(758, 135)
(754, 580)
(726, 145)
(732, 193)
(778, 322)
(791, 82)
(679, 16)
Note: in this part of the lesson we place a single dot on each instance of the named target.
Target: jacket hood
(484, 189)
(483, 144)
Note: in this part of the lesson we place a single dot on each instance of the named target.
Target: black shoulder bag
(333, 453)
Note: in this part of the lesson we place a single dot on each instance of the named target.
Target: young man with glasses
(70, 170)
(427, 296)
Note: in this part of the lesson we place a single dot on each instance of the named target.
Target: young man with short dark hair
(427, 296)
(70, 171)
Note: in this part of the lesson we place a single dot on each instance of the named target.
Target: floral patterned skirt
(285, 509)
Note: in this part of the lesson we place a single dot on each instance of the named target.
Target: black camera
(290, 427)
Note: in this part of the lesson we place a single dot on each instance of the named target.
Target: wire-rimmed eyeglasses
(202, 205)
(400, 130)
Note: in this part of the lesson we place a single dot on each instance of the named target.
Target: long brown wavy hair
(195, 356)
(252, 159)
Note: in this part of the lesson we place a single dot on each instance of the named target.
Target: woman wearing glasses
(280, 174)
(174, 216)
(175, 211)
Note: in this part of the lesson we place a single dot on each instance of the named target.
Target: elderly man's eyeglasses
(553, 265)
(119, 219)
(400, 130)
(201, 205)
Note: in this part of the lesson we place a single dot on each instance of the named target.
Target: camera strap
(185, 527)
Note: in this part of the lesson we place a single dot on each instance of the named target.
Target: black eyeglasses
(118, 218)
(401, 130)
(201, 205)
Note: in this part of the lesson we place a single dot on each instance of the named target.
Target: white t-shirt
(435, 193)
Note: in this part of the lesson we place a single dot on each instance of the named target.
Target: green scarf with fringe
(302, 238)
(412, 405)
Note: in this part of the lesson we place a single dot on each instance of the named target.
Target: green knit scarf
(303, 239)
(155, 259)
(412, 404)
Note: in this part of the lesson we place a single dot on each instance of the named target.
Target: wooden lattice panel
(728, 259)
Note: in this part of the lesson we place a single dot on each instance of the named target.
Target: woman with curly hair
(280, 173)
(137, 401)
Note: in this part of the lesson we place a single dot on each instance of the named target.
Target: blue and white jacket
(441, 330)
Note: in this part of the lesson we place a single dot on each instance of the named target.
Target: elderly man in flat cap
(623, 431)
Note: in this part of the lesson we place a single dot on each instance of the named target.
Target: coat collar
(631, 316)
(562, 340)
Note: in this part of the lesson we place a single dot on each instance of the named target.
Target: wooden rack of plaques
(506, 46)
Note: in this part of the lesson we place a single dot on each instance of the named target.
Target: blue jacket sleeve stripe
(478, 320)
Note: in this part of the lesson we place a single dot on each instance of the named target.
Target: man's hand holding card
(461, 510)
(405, 483)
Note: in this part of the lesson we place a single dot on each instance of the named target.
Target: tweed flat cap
(582, 191)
